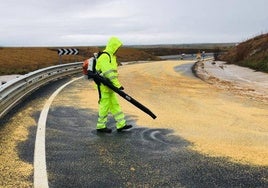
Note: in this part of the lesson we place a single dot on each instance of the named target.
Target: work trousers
(109, 103)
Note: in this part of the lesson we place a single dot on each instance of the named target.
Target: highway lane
(198, 139)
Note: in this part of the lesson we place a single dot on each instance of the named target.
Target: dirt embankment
(252, 53)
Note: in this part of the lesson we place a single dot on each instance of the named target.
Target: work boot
(124, 128)
(104, 130)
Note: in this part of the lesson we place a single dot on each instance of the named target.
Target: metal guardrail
(12, 92)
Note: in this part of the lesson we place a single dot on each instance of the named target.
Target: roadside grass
(21, 60)
(24, 60)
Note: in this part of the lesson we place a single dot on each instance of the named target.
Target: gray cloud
(83, 22)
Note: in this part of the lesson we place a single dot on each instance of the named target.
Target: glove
(121, 88)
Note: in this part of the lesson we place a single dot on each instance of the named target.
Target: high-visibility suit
(107, 67)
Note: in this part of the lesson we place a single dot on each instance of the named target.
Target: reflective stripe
(100, 125)
(118, 114)
(120, 120)
(112, 77)
(109, 71)
(120, 124)
(102, 121)
(103, 117)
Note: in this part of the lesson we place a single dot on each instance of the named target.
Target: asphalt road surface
(202, 137)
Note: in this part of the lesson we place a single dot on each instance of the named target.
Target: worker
(108, 102)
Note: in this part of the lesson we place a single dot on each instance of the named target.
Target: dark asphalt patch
(26, 149)
(79, 157)
(185, 69)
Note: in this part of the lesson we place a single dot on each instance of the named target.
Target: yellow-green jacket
(108, 68)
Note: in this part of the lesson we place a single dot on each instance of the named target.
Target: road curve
(202, 136)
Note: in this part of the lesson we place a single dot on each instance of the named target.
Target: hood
(112, 45)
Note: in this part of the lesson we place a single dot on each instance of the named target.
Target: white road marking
(40, 169)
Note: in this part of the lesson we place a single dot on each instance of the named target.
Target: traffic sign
(67, 51)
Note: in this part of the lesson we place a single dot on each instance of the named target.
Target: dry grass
(23, 60)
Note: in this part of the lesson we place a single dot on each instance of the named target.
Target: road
(203, 136)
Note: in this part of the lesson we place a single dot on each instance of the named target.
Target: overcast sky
(92, 22)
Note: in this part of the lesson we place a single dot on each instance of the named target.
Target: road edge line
(40, 169)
